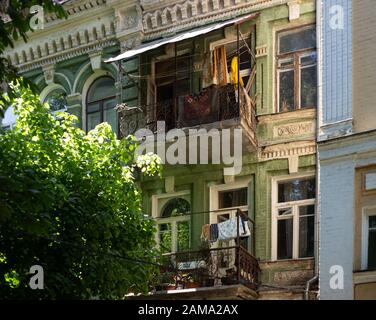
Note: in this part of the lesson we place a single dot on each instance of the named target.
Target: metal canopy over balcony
(224, 101)
(180, 37)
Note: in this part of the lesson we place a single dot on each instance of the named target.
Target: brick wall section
(336, 226)
(337, 62)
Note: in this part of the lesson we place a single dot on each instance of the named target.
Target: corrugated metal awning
(179, 37)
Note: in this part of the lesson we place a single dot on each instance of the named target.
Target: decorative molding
(96, 60)
(159, 20)
(294, 129)
(68, 54)
(49, 72)
(287, 150)
(261, 51)
(294, 9)
(293, 164)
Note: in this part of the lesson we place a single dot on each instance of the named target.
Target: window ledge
(364, 276)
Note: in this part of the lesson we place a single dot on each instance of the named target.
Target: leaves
(69, 202)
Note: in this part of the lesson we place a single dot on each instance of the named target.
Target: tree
(69, 202)
(15, 23)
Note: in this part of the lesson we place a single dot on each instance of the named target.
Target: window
(369, 240)
(245, 57)
(101, 102)
(224, 204)
(57, 100)
(294, 219)
(174, 226)
(297, 69)
(232, 198)
(170, 75)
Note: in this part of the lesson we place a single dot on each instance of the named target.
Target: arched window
(57, 100)
(174, 226)
(100, 103)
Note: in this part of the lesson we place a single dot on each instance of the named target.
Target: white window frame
(172, 220)
(366, 213)
(276, 206)
(215, 212)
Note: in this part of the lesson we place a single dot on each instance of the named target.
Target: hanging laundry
(228, 230)
(246, 228)
(205, 233)
(234, 72)
(220, 73)
(213, 232)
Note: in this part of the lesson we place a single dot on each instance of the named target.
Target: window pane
(306, 236)
(285, 231)
(183, 236)
(308, 87)
(307, 210)
(372, 222)
(164, 234)
(285, 212)
(109, 115)
(102, 88)
(297, 40)
(286, 90)
(372, 248)
(233, 198)
(176, 207)
(93, 119)
(296, 190)
(57, 100)
(93, 107)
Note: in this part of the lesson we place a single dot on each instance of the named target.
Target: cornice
(178, 16)
(67, 54)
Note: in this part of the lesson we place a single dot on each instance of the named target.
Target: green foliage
(14, 24)
(70, 203)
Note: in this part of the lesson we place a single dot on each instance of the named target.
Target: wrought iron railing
(210, 266)
(213, 104)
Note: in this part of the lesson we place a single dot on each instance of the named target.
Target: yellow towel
(234, 72)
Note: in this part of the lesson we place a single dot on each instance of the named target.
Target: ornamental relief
(294, 129)
(191, 10)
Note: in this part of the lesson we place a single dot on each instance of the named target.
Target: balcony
(222, 269)
(214, 107)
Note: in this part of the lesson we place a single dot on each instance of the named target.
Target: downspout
(319, 36)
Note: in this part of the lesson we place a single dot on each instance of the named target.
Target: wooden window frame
(295, 56)
(365, 235)
(294, 205)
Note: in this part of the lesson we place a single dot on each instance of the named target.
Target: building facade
(233, 64)
(346, 149)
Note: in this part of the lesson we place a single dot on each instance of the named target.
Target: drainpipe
(308, 286)
(319, 24)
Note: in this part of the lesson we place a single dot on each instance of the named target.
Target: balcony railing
(213, 104)
(208, 268)
(212, 264)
